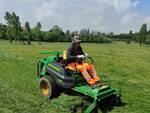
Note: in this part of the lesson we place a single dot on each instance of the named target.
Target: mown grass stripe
(123, 66)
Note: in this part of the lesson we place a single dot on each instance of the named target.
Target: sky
(118, 16)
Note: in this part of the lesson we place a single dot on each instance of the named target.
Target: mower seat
(69, 69)
(72, 70)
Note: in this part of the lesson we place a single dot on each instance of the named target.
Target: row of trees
(142, 37)
(13, 31)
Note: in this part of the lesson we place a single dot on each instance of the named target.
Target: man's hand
(80, 56)
(86, 54)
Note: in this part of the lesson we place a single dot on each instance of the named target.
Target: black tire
(47, 87)
(85, 105)
(116, 100)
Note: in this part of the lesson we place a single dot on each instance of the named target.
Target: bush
(104, 39)
(128, 41)
(147, 42)
(107, 40)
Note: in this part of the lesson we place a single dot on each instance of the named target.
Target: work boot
(96, 79)
(93, 86)
(91, 82)
(98, 83)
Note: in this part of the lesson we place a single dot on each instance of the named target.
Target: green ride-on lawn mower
(54, 77)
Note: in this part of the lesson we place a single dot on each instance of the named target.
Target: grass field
(123, 66)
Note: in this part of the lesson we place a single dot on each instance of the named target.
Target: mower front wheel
(118, 100)
(115, 100)
(47, 86)
(85, 105)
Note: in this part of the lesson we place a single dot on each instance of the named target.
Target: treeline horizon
(24, 34)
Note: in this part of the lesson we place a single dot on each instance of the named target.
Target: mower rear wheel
(47, 86)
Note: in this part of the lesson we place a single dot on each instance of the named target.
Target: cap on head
(76, 39)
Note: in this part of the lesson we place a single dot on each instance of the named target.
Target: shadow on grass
(106, 106)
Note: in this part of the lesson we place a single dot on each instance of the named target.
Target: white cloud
(120, 5)
(147, 20)
(130, 18)
(46, 10)
(136, 3)
(131, 21)
(104, 15)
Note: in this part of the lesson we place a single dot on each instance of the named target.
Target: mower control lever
(84, 57)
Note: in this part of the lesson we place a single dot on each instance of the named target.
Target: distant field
(123, 66)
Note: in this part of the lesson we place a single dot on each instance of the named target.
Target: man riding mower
(75, 56)
(67, 72)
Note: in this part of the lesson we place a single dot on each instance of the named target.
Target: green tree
(3, 31)
(39, 32)
(129, 37)
(149, 31)
(143, 33)
(92, 36)
(36, 33)
(50, 37)
(73, 33)
(28, 32)
(57, 33)
(14, 26)
(67, 36)
(130, 34)
(88, 35)
(23, 36)
(19, 32)
(84, 35)
(7, 17)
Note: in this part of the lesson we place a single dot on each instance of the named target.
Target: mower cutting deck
(53, 76)
(97, 94)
